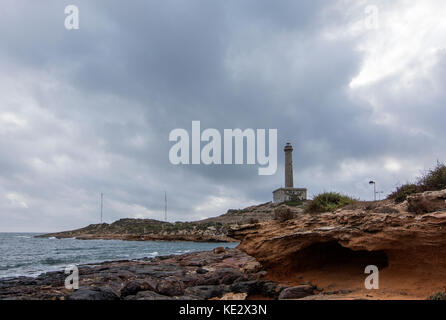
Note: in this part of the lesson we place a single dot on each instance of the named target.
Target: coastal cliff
(208, 230)
(406, 241)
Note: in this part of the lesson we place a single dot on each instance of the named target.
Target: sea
(22, 254)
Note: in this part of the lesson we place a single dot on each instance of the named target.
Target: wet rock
(170, 277)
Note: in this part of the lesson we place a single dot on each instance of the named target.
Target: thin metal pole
(102, 204)
(165, 206)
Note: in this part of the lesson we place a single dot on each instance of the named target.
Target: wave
(52, 261)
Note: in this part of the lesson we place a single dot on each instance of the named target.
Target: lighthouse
(289, 193)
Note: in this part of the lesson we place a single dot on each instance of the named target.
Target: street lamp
(374, 189)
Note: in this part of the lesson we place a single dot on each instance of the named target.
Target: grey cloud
(100, 103)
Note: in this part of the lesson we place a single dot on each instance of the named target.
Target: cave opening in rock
(331, 256)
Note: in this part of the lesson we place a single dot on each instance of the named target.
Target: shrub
(282, 214)
(328, 201)
(253, 221)
(438, 296)
(432, 180)
(402, 192)
(294, 203)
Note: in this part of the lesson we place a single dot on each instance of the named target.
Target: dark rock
(249, 287)
(202, 271)
(93, 293)
(264, 288)
(150, 295)
(133, 287)
(207, 292)
(170, 287)
(222, 276)
(297, 292)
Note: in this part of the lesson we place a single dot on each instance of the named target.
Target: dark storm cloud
(90, 110)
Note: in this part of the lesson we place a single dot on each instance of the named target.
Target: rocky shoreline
(218, 274)
(305, 256)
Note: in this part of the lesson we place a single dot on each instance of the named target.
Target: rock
(248, 287)
(93, 293)
(219, 250)
(133, 287)
(170, 287)
(222, 276)
(296, 292)
(152, 279)
(252, 267)
(352, 236)
(207, 292)
(427, 202)
(263, 288)
(234, 296)
(201, 271)
(150, 295)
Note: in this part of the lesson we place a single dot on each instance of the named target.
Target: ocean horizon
(22, 254)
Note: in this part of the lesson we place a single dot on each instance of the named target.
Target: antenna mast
(165, 206)
(102, 202)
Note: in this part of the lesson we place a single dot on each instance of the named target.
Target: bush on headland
(432, 180)
(282, 214)
(328, 201)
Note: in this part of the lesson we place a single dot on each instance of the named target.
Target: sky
(357, 87)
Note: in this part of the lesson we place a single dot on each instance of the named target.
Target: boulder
(207, 292)
(170, 287)
(219, 250)
(296, 292)
(133, 287)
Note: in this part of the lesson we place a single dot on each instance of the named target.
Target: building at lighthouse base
(289, 194)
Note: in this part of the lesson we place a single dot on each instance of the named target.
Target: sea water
(22, 254)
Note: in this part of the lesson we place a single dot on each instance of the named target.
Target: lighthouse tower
(289, 193)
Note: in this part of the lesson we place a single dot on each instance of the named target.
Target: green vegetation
(295, 203)
(328, 201)
(432, 180)
(438, 296)
(402, 192)
(149, 226)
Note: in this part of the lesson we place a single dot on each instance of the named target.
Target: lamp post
(374, 189)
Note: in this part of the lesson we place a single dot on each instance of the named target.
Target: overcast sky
(90, 110)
